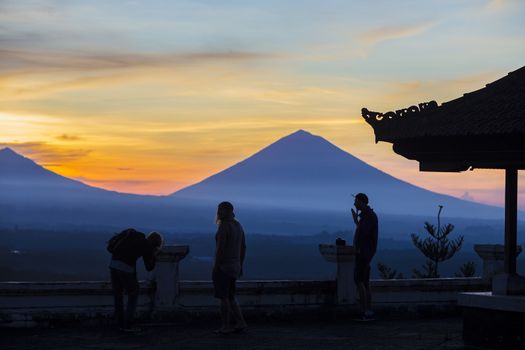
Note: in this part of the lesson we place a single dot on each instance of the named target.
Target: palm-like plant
(436, 248)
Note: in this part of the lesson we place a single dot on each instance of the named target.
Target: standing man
(227, 268)
(365, 243)
(126, 248)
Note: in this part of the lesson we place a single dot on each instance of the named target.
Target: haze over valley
(290, 196)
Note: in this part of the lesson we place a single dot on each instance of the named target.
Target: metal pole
(511, 219)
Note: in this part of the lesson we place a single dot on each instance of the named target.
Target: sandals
(237, 330)
(222, 331)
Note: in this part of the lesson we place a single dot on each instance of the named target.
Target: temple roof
(496, 109)
(481, 129)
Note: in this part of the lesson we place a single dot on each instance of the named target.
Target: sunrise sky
(151, 96)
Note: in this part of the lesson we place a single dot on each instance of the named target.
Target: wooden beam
(511, 219)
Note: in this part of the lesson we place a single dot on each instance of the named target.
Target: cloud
(22, 12)
(391, 32)
(114, 181)
(466, 196)
(406, 93)
(145, 187)
(47, 154)
(358, 45)
(498, 5)
(68, 137)
(33, 73)
(39, 60)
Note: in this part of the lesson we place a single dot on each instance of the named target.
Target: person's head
(361, 201)
(155, 239)
(224, 212)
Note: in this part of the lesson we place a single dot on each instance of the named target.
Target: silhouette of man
(229, 258)
(365, 243)
(126, 248)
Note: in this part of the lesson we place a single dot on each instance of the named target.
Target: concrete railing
(29, 303)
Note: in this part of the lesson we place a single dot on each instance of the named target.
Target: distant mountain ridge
(17, 168)
(299, 184)
(305, 171)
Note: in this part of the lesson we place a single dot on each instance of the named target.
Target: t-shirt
(230, 248)
(129, 247)
(365, 237)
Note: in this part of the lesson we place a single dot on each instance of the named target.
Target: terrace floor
(398, 334)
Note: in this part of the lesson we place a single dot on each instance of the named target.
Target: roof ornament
(373, 117)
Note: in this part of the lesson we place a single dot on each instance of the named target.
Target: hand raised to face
(354, 215)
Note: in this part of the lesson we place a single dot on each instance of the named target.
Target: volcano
(303, 171)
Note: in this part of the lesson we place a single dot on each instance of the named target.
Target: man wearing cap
(365, 243)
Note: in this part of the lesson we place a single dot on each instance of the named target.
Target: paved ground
(381, 334)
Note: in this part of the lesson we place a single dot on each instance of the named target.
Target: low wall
(29, 304)
(32, 303)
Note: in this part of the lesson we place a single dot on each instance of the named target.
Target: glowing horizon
(150, 98)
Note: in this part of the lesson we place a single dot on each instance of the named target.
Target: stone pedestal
(344, 257)
(492, 256)
(493, 270)
(166, 275)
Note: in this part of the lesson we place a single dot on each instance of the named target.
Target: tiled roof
(497, 109)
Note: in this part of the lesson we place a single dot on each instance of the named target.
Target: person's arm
(148, 255)
(355, 216)
(243, 251)
(374, 234)
(220, 248)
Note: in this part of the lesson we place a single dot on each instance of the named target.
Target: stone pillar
(344, 257)
(166, 275)
(493, 256)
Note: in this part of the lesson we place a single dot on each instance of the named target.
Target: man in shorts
(229, 258)
(365, 243)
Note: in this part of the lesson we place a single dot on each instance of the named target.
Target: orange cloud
(47, 154)
(67, 137)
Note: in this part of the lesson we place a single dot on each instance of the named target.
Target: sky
(151, 96)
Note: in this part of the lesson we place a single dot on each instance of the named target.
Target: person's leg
(368, 296)
(132, 288)
(240, 323)
(220, 284)
(359, 278)
(366, 284)
(118, 294)
(225, 315)
(363, 302)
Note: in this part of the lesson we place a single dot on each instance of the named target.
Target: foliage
(387, 273)
(428, 271)
(436, 248)
(468, 269)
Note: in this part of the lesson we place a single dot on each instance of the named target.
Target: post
(511, 219)
(344, 257)
(166, 275)
(510, 283)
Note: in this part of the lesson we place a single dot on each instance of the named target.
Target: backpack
(116, 241)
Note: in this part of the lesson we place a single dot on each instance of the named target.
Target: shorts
(361, 270)
(223, 284)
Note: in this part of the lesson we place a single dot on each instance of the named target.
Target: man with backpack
(126, 248)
